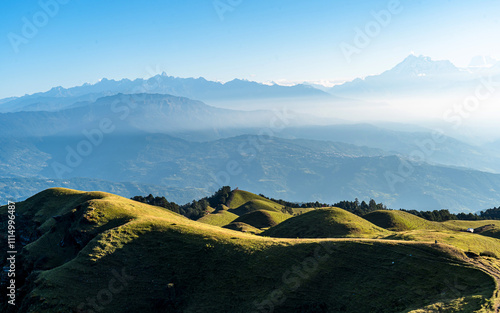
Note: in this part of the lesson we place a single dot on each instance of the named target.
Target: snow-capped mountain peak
(422, 66)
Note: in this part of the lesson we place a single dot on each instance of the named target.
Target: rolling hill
(94, 250)
(246, 209)
(484, 228)
(400, 221)
(256, 205)
(241, 197)
(242, 227)
(262, 218)
(218, 218)
(326, 223)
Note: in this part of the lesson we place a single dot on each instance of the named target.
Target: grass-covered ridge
(263, 218)
(240, 197)
(483, 227)
(218, 218)
(400, 221)
(248, 208)
(243, 227)
(326, 223)
(173, 264)
(256, 205)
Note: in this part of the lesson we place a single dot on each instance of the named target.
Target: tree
(372, 205)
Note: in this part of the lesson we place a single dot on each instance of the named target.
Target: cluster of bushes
(195, 209)
(198, 209)
(490, 214)
(360, 208)
(162, 202)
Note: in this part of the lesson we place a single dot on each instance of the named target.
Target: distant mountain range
(414, 76)
(194, 88)
(447, 151)
(300, 170)
(153, 113)
(151, 136)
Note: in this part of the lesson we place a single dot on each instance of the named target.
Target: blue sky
(262, 40)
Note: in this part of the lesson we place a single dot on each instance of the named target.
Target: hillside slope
(400, 221)
(248, 208)
(263, 218)
(243, 227)
(97, 251)
(241, 197)
(326, 223)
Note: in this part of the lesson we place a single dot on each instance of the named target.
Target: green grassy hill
(326, 223)
(475, 243)
(256, 205)
(400, 221)
(239, 226)
(302, 210)
(218, 218)
(460, 225)
(248, 208)
(263, 218)
(490, 230)
(100, 252)
(240, 197)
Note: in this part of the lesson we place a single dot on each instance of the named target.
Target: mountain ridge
(413, 76)
(194, 88)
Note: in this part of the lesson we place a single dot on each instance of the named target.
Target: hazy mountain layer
(201, 89)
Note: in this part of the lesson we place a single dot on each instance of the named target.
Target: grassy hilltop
(248, 208)
(327, 223)
(98, 252)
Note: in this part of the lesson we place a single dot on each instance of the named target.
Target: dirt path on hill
(488, 267)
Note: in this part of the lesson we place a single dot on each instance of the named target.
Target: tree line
(192, 210)
(198, 208)
(356, 207)
(445, 215)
